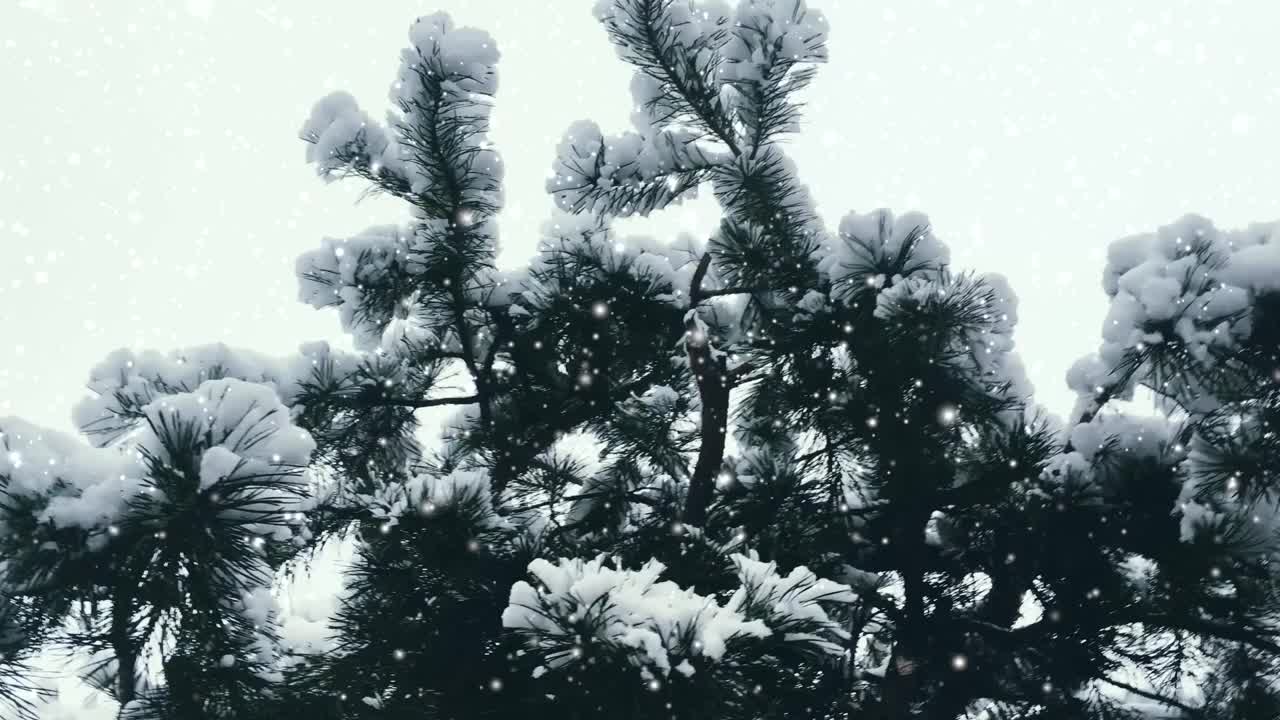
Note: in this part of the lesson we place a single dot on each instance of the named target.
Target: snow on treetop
(787, 28)
(1133, 435)
(1255, 264)
(79, 485)
(665, 626)
(344, 272)
(771, 30)
(239, 430)
(907, 291)
(1003, 307)
(1176, 281)
(448, 74)
(692, 117)
(692, 22)
(447, 77)
(1187, 283)
(624, 609)
(244, 422)
(904, 282)
(338, 131)
(1089, 377)
(1248, 259)
(429, 495)
(125, 382)
(872, 249)
(588, 162)
(790, 602)
(245, 438)
(467, 56)
(993, 354)
(671, 265)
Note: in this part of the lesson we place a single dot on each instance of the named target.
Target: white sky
(153, 191)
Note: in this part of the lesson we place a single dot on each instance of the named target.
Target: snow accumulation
(666, 627)
(742, 48)
(586, 161)
(1132, 436)
(429, 495)
(238, 430)
(246, 435)
(780, 28)
(344, 272)
(469, 56)
(1187, 282)
(77, 485)
(1144, 437)
(460, 61)
(463, 63)
(258, 607)
(567, 236)
(225, 438)
(125, 381)
(690, 23)
(901, 259)
(1191, 285)
(770, 30)
(340, 135)
(871, 245)
(662, 397)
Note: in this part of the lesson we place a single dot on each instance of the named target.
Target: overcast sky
(153, 191)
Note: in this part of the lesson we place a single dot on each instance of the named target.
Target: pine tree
(782, 473)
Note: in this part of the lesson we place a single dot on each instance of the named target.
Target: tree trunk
(123, 647)
(712, 374)
(713, 387)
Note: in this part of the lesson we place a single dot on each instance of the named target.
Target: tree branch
(705, 115)
(436, 402)
(1152, 696)
(696, 292)
(359, 402)
(720, 292)
(712, 376)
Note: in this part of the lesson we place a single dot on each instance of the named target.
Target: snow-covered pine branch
(165, 537)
